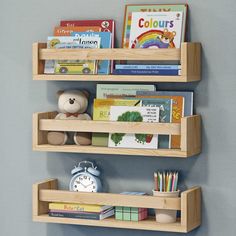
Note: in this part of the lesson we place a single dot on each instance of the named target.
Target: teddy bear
(166, 38)
(72, 105)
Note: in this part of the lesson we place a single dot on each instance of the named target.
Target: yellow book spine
(74, 207)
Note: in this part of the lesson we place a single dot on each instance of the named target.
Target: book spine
(146, 72)
(75, 208)
(75, 215)
(148, 67)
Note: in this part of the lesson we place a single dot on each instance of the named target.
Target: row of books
(145, 26)
(80, 211)
(140, 103)
(81, 34)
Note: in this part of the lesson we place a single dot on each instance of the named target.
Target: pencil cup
(166, 216)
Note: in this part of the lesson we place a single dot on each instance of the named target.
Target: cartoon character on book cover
(156, 30)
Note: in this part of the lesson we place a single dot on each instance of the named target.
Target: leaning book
(71, 66)
(133, 114)
(156, 30)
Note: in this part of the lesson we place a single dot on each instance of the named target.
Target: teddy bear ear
(86, 93)
(60, 92)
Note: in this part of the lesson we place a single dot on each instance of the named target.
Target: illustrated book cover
(71, 66)
(103, 65)
(67, 31)
(133, 114)
(165, 106)
(130, 9)
(177, 114)
(155, 30)
(101, 111)
(122, 90)
(188, 98)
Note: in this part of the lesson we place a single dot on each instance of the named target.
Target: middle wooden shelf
(189, 129)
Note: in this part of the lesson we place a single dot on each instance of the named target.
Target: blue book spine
(148, 67)
(146, 72)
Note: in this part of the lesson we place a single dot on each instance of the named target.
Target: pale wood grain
(191, 61)
(191, 134)
(109, 126)
(110, 199)
(112, 151)
(109, 54)
(39, 207)
(191, 208)
(38, 65)
(114, 78)
(149, 224)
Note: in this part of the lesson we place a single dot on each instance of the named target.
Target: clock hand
(80, 183)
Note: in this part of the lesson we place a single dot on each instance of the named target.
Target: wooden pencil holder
(162, 215)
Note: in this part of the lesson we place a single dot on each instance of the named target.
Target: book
(133, 114)
(165, 106)
(188, 98)
(148, 67)
(129, 9)
(101, 111)
(67, 31)
(155, 30)
(146, 72)
(71, 66)
(103, 65)
(122, 90)
(77, 207)
(82, 215)
(177, 114)
(105, 25)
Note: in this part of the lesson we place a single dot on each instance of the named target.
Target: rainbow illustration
(150, 39)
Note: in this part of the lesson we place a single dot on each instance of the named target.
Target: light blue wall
(212, 22)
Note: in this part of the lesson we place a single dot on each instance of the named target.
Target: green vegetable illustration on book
(131, 116)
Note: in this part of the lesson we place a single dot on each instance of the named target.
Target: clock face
(84, 183)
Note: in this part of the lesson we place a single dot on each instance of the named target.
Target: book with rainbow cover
(156, 30)
(131, 8)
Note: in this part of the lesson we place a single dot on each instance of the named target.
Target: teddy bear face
(72, 101)
(167, 37)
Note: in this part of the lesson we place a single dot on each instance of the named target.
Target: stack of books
(80, 211)
(139, 103)
(81, 34)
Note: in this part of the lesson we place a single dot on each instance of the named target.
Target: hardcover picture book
(103, 65)
(101, 111)
(177, 113)
(67, 31)
(165, 106)
(155, 30)
(72, 66)
(148, 8)
(133, 114)
(105, 25)
(121, 90)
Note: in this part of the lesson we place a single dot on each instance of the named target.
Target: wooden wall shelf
(189, 129)
(189, 203)
(189, 56)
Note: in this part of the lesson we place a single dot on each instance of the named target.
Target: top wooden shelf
(189, 56)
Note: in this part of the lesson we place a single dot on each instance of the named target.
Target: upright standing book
(130, 9)
(134, 114)
(155, 30)
(103, 65)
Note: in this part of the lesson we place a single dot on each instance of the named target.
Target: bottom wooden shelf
(189, 204)
(149, 224)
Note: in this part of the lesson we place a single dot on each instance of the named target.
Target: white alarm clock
(85, 178)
